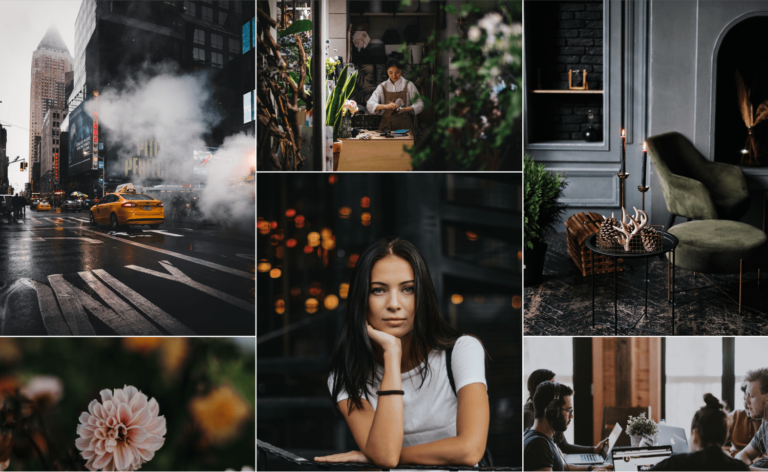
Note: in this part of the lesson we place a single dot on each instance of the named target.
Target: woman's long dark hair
(353, 366)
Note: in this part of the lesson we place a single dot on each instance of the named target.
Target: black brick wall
(560, 36)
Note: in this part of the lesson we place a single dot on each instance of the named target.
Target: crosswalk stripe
(179, 276)
(81, 219)
(105, 314)
(160, 317)
(165, 233)
(134, 322)
(211, 265)
(52, 318)
(70, 306)
(35, 219)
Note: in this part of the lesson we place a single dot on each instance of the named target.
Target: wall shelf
(569, 91)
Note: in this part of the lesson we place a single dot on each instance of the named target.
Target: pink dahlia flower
(122, 432)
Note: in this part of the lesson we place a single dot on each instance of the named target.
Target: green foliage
(87, 366)
(475, 121)
(300, 26)
(543, 190)
(340, 94)
(640, 425)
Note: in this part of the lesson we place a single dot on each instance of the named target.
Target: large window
(208, 13)
(693, 367)
(198, 54)
(234, 45)
(217, 59)
(217, 41)
(222, 18)
(749, 354)
(190, 8)
(199, 37)
(555, 354)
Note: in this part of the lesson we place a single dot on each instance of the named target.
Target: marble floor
(562, 304)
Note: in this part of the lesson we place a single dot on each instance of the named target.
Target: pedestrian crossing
(65, 302)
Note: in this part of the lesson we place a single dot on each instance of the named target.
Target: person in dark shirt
(536, 378)
(709, 429)
(756, 401)
(553, 411)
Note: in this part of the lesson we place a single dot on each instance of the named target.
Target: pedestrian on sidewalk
(16, 205)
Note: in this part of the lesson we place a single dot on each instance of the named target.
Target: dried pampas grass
(750, 118)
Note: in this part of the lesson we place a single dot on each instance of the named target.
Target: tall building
(50, 150)
(3, 161)
(50, 62)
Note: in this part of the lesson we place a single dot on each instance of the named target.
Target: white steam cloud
(175, 110)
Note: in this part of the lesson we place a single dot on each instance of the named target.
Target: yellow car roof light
(125, 188)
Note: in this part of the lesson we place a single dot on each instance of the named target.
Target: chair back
(621, 414)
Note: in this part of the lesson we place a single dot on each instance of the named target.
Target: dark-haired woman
(389, 377)
(545, 375)
(708, 432)
(394, 99)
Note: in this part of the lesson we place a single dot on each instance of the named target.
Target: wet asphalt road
(60, 276)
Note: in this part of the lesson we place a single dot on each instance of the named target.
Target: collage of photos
(298, 235)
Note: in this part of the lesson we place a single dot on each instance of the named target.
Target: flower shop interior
(649, 118)
(666, 379)
(357, 39)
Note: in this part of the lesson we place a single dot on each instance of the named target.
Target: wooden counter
(375, 154)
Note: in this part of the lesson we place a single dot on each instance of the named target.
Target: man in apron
(395, 98)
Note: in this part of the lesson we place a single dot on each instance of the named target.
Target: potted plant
(639, 427)
(543, 209)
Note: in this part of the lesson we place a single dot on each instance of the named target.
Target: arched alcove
(739, 50)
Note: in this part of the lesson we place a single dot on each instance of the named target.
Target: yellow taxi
(126, 207)
(43, 206)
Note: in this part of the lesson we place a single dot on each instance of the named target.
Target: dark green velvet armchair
(693, 186)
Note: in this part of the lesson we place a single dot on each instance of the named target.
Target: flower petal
(98, 411)
(87, 454)
(141, 417)
(157, 426)
(152, 443)
(130, 391)
(82, 443)
(146, 454)
(124, 414)
(138, 402)
(123, 457)
(120, 396)
(91, 405)
(84, 417)
(137, 434)
(103, 460)
(85, 431)
(106, 395)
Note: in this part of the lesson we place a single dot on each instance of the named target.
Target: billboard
(138, 161)
(203, 160)
(80, 141)
(248, 109)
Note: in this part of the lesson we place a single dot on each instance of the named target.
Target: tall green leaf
(300, 26)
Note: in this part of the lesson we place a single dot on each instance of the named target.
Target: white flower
(507, 58)
(494, 71)
(489, 22)
(474, 34)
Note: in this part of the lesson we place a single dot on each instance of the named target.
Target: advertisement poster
(203, 160)
(80, 141)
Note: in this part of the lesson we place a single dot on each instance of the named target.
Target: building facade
(3, 161)
(115, 39)
(50, 62)
(50, 150)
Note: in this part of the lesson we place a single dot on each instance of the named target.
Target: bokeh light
(291, 243)
(456, 299)
(519, 255)
(344, 212)
(365, 218)
(290, 213)
(472, 236)
(331, 302)
(333, 179)
(295, 291)
(313, 239)
(352, 261)
(279, 252)
(308, 249)
(264, 227)
(329, 244)
(263, 266)
(275, 273)
(299, 220)
(517, 302)
(326, 233)
(365, 202)
(343, 290)
(273, 225)
(279, 306)
(311, 305)
(315, 289)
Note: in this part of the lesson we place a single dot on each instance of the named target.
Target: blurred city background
(311, 231)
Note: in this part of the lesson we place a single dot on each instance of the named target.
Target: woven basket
(578, 228)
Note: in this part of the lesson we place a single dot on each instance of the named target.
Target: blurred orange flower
(220, 414)
(173, 351)
(9, 351)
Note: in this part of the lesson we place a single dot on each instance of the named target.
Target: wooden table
(376, 154)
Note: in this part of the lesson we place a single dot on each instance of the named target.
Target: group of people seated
(718, 440)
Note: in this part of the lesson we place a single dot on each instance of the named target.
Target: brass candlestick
(642, 191)
(622, 194)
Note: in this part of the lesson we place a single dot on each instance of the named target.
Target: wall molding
(607, 175)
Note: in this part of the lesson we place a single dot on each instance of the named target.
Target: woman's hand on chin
(351, 456)
(386, 342)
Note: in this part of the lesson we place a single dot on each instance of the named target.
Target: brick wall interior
(560, 36)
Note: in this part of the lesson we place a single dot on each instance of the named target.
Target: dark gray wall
(670, 51)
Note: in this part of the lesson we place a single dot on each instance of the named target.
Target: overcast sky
(23, 24)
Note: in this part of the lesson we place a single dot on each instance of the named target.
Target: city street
(61, 276)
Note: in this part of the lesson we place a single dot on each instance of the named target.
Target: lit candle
(645, 161)
(623, 152)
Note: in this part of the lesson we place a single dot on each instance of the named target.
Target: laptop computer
(673, 436)
(593, 459)
(639, 458)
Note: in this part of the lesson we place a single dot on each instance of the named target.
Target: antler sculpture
(629, 229)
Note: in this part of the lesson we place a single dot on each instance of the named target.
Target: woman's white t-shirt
(429, 412)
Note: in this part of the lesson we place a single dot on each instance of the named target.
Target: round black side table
(669, 244)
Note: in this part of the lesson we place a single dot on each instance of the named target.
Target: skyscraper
(50, 62)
